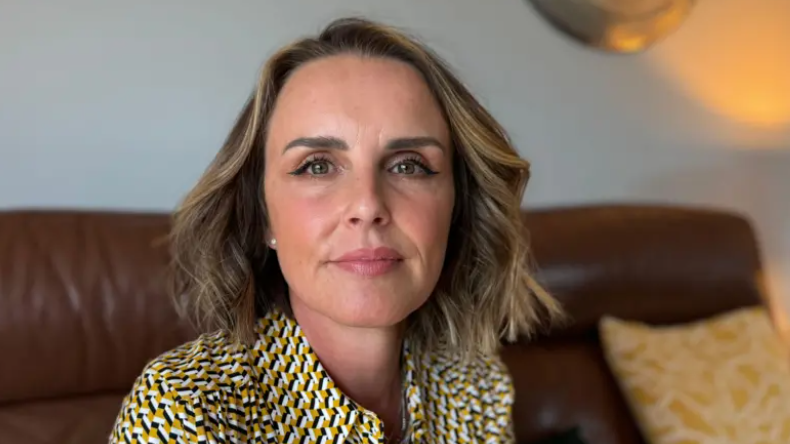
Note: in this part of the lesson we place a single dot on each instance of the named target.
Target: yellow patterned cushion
(723, 380)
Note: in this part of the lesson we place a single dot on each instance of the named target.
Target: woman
(357, 246)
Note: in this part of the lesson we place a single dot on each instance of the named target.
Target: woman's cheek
(425, 213)
(306, 217)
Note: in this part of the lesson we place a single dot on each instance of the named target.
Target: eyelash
(416, 161)
(310, 161)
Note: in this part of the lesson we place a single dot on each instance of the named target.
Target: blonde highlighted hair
(225, 276)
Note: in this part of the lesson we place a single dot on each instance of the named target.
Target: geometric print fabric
(276, 391)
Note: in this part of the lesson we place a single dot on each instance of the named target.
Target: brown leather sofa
(83, 308)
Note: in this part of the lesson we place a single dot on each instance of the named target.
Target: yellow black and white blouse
(276, 391)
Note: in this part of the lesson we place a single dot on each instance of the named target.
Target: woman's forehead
(383, 91)
(328, 74)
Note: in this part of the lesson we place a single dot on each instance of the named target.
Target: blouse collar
(302, 398)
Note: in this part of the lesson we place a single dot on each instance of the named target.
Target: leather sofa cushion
(74, 420)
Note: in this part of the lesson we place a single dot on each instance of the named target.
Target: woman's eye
(411, 167)
(313, 167)
(319, 167)
(405, 168)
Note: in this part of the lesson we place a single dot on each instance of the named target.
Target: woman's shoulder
(480, 386)
(482, 376)
(174, 392)
(209, 363)
(449, 361)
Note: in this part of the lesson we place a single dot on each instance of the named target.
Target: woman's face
(359, 189)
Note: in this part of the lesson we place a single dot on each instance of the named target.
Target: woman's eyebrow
(328, 142)
(413, 143)
(319, 142)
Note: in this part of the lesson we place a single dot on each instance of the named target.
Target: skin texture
(377, 173)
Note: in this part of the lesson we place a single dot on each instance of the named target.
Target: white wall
(121, 104)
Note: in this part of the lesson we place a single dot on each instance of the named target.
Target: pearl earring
(273, 243)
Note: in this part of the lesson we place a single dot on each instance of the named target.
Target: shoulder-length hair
(226, 277)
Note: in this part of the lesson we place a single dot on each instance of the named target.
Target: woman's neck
(363, 362)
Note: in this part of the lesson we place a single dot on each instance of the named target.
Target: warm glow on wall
(734, 57)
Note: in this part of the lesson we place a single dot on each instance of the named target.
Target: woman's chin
(363, 305)
(367, 316)
(368, 312)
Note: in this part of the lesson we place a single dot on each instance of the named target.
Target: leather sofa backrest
(83, 304)
(656, 264)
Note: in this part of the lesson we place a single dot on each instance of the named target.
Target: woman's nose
(367, 202)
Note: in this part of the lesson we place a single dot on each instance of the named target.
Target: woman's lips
(368, 268)
(369, 262)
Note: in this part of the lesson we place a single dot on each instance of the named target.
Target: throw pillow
(720, 380)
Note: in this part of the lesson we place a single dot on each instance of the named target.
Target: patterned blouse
(276, 391)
